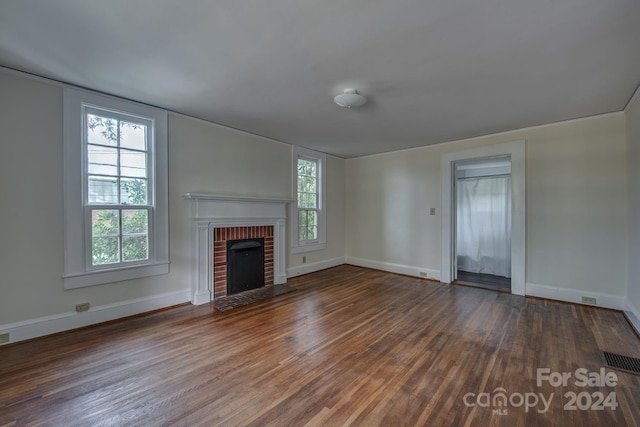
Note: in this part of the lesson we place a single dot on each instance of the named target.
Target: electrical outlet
(5, 338)
(304, 259)
(82, 307)
(432, 211)
(588, 300)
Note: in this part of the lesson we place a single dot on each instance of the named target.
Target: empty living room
(317, 214)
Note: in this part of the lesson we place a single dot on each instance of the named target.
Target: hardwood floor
(486, 281)
(350, 346)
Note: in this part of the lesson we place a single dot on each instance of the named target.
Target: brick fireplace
(220, 237)
(215, 220)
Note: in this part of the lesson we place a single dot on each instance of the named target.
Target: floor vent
(623, 363)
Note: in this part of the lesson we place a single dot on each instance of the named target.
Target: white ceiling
(433, 70)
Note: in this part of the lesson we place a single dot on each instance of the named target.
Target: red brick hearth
(220, 237)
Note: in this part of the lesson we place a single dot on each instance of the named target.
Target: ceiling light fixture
(350, 98)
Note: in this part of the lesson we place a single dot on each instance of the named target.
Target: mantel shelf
(227, 198)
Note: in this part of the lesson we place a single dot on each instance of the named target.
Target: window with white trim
(115, 171)
(309, 216)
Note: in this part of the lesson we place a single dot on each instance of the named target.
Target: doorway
(516, 150)
(483, 223)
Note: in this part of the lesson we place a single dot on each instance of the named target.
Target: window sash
(308, 229)
(119, 234)
(307, 201)
(119, 149)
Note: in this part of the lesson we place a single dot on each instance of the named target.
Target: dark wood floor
(350, 346)
(481, 280)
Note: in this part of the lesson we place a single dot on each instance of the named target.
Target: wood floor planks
(351, 346)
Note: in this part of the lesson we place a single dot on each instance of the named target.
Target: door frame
(516, 150)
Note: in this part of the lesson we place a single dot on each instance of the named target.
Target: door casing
(517, 151)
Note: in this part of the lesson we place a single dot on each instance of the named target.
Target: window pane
(307, 200)
(302, 234)
(133, 191)
(302, 166)
(302, 200)
(311, 200)
(102, 160)
(309, 184)
(104, 222)
(312, 233)
(307, 225)
(105, 250)
(133, 135)
(134, 248)
(306, 167)
(103, 191)
(133, 163)
(135, 221)
(312, 218)
(101, 130)
(300, 184)
(302, 220)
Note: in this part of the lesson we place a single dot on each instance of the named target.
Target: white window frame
(78, 271)
(321, 242)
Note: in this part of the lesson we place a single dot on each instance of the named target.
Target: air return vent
(623, 363)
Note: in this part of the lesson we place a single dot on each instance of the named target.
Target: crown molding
(633, 100)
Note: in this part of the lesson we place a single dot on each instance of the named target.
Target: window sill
(84, 279)
(297, 249)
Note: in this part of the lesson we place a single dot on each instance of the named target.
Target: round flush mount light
(350, 98)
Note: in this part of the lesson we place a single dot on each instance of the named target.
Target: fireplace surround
(222, 237)
(210, 212)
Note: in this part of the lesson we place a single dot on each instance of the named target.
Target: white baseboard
(616, 302)
(299, 270)
(47, 325)
(203, 297)
(409, 270)
(633, 315)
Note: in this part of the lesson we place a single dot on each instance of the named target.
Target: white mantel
(210, 211)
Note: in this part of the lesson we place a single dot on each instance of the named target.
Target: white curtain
(484, 225)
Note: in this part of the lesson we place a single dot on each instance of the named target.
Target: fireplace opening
(245, 265)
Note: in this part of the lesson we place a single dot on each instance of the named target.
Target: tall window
(307, 200)
(116, 215)
(310, 217)
(118, 201)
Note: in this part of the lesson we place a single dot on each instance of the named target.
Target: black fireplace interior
(245, 265)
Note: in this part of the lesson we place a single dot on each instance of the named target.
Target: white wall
(203, 158)
(388, 198)
(576, 205)
(633, 157)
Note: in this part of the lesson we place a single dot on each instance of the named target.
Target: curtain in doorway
(484, 225)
